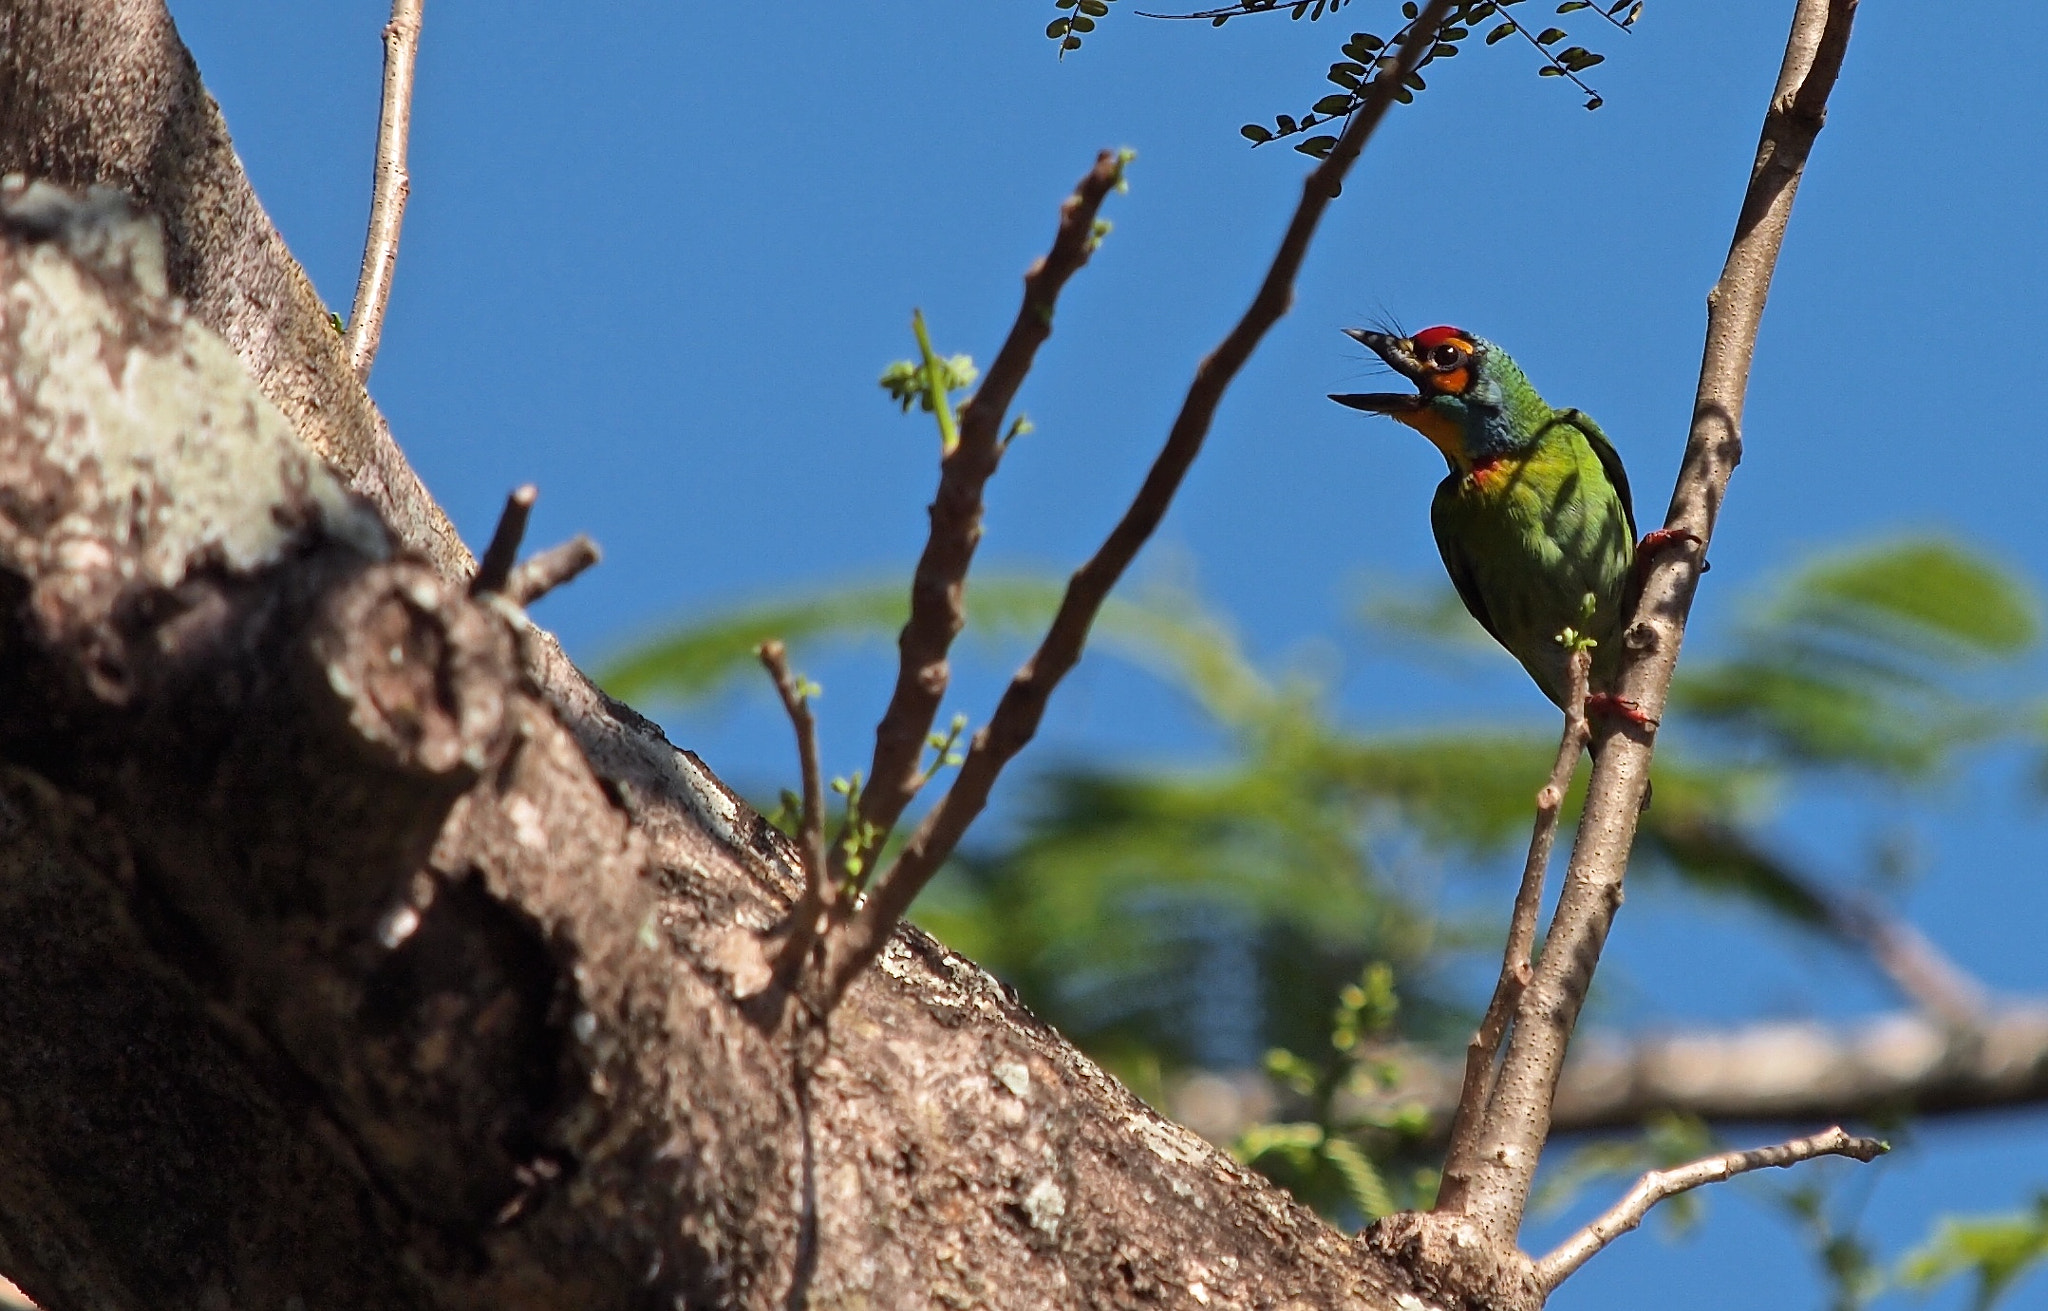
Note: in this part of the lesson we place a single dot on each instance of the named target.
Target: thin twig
(819, 888)
(550, 569)
(390, 188)
(1017, 716)
(1521, 946)
(938, 588)
(1920, 971)
(1657, 1185)
(496, 566)
(1518, 1116)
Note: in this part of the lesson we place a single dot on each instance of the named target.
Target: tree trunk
(356, 952)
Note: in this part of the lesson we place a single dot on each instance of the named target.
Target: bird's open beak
(1399, 353)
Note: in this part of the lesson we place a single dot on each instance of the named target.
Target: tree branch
(938, 586)
(104, 92)
(1477, 1086)
(1658, 1185)
(1518, 1121)
(301, 879)
(388, 191)
(495, 569)
(816, 902)
(1921, 972)
(1786, 1072)
(1017, 715)
(544, 572)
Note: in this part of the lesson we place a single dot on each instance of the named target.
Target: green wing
(1456, 563)
(1610, 461)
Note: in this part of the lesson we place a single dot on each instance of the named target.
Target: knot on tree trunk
(1453, 1264)
(419, 670)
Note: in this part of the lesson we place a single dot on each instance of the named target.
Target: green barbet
(1533, 521)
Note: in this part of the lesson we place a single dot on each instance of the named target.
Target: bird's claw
(1606, 703)
(1659, 539)
(1654, 541)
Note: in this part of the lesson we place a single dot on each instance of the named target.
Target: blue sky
(657, 253)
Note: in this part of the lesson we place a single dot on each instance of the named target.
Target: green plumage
(1533, 521)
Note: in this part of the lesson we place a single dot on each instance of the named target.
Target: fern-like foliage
(1365, 55)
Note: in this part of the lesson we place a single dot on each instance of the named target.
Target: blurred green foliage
(1170, 916)
(1992, 1251)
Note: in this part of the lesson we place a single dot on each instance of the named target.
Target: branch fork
(1658, 1185)
(522, 585)
(1504, 1113)
(857, 927)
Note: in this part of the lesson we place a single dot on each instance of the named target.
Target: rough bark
(344, 969)
(103, 91)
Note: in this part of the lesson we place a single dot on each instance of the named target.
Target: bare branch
(1780, 1072)
(1919, 969)
(1023, 704)
(1657, 1185)
(550, 569)
(819, 887)
(390, 188)
(1477, 1088)
(1921, 972)
(1518, 1119)
(495, 568)
(937, 588)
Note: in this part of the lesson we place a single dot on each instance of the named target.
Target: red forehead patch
(1429, 337)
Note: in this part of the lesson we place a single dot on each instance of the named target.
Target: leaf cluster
(1366, 55)
(1077, 21)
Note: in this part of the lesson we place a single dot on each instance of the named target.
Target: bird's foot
(1614, 707)
(1656, 541)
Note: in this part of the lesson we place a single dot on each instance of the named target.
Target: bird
(1534, 519)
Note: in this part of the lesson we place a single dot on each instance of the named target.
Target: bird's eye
(1446, 356)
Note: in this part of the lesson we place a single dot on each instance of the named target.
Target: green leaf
(1549, 70)
(1094, 8)
(1318, 146)
(1924, 591)
(1550, 34)
(1409, 10)
(1366, 1186)
(1334, 105)
(1256, 134)
(1501, 33)
(1056, 28)
(1994, 1251)
(709, 655)
(1573, 6)
(1083, 23)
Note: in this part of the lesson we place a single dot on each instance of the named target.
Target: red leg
(1606, 703)
(1660, 539)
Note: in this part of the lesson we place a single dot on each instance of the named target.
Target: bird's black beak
(1399, 353)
